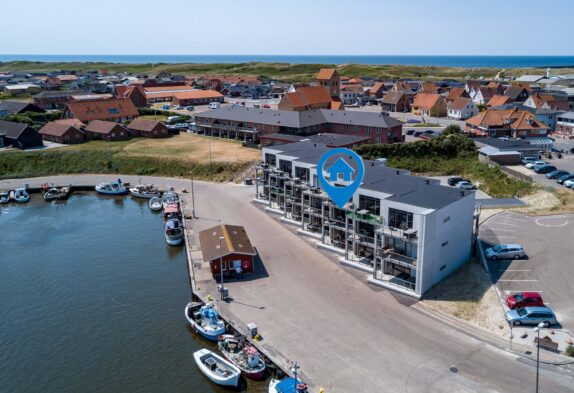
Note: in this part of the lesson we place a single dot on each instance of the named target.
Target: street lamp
(537, 330)
(221, 267)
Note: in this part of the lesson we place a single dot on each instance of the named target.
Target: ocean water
(447, 61)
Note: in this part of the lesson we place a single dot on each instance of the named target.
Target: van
(173, 119)
(214, 105)
(505, 251)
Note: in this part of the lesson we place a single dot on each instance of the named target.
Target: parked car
(413, 121)
(544, 169)
(214, 105)
(531, 165)
(568, 183)
(453, 180)
(383, 113)
(526, 160)
(266, 106)
(531, 316)
(417, 133)
(410, 132)
(505, 251)
(556, 174)
(429, 132)
(524, 299)
(465, 185)
(562, 179)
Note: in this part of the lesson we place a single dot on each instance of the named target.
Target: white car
(568, 183)
(531, 165)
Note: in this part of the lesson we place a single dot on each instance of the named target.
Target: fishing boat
(216, 368)
(155, 204)
(243, 355)
(287, 385)
(21, 195)
(170, 198)
(173, 232)
(112, 188)
(146, 191)
(172, 212)
(4, 197)
(205, 320)
(57, 193)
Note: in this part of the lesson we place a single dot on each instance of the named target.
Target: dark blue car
(556, 174)
(562, 179)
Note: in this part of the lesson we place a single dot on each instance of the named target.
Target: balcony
(399, 259)
(409, 235)
(365, 216)
(363, 238)
(391, 280)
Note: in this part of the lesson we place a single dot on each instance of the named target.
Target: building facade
(408, 232)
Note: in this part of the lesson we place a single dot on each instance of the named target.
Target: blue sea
(448, 61)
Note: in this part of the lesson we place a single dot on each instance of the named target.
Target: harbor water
(93, 300)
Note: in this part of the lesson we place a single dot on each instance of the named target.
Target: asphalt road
(346, 335)
(548, 267)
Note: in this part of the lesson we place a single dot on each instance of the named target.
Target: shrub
(569, 350)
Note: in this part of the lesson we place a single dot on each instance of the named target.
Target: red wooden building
(229, 246)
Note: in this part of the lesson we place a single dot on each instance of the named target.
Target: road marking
(506, 223)
(506, 290)
(505, 270)
(537, 221)
(517, 280)
(512, 218)
(503, 230)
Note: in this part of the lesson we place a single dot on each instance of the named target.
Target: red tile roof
(308, 95)
(326, 73)
(511, 118)
(426, 100)
(460, 103)
(102, 109)
(498, 100)
(197, 94)
(456, 92)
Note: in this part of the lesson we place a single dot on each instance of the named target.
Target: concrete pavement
(346, 335)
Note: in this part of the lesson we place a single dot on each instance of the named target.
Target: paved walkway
(346, 335)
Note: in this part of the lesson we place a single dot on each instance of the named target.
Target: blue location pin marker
(340, 172)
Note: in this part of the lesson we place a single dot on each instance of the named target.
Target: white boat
(57, 194)
(155, 204)
(21, 195)
(287, 385)
(174, 232)
(145, 191)
(243, 355)
(170, 198)
(205, 320)
(216, 368)
(112, 188)
(4, 197)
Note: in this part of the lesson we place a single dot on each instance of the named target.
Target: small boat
(112, 188)
(287, 385)
(57, 194)
(216, 368)
(21, 195)
(243, 355)
(205, 320)
(4, 197)
(155, 204)
(172, 212)
(170, 198)
(145, 191)
(173, 232)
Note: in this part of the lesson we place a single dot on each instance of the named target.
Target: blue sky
(306, 27)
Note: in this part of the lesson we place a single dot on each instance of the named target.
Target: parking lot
(479, 194)
(548, 267)
(565, 163)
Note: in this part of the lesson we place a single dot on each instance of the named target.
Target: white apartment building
(408, 232)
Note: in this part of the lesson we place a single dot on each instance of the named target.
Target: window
(446, 219)
(400, 219)
(444, 243)
(373, 205)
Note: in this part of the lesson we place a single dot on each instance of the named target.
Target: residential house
(106, 130)
(498, 100)
(62, 133)
(378, 90)
(430, 88)
(308, 97)
(59, 80)
(19, 135)
(455, 93)
(352, 94)
(472, 86)
(565, 125)
(483, 94)
(548, 101)
(21, 88)
(148, 128)
(433, 105)
(505, 123)
(407, 89)
(197, 97)
(462, 108)
(56, 99)
(135, 93)
(395, 101)
(117, 110)
(8, 108)
(409, 232)
(545, 116)
(516, 93)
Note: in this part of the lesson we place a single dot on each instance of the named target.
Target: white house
(462, 108)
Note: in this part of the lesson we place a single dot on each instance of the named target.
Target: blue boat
(287, 385)
(205, 320)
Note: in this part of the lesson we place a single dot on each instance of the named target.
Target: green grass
(91, 159)
(278, 71)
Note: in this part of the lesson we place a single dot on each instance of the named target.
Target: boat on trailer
(146, 191)
(112, 188)
(243, 355)
(155, 204)
(174, 232)
(216, 368)
(205, 320)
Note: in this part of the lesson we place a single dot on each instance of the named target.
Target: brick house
(455, 93)
(505, 123)
(306, 98)
(135, 93)
(116, 110)
(148, 129)
(62, 133)
(106, 130)
(395, 101)
(433, 105)
(197, 97)
(56, 99)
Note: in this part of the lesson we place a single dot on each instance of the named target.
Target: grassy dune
(278, 71)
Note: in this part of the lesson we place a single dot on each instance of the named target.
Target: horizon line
(276, 55)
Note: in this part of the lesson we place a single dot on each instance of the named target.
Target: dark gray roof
(507, 144)
(302, 119)
(11, 129)
(513, 91)
(59, 94)
(329, 139)
(13, 107)
(534, 111)
(403, 188)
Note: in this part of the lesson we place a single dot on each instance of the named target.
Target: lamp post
(221, 267)
(537, 330)
(192, 196)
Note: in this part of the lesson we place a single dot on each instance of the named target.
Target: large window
(400, 219)
(270, 159)
(373, 205)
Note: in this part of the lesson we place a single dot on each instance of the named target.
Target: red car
(267, 106)
(524, 299)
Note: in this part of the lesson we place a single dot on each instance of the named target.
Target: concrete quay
(347, 335)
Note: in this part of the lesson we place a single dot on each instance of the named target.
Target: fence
(509, 171)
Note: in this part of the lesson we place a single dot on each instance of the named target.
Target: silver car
(505, 251)
(531, 316)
